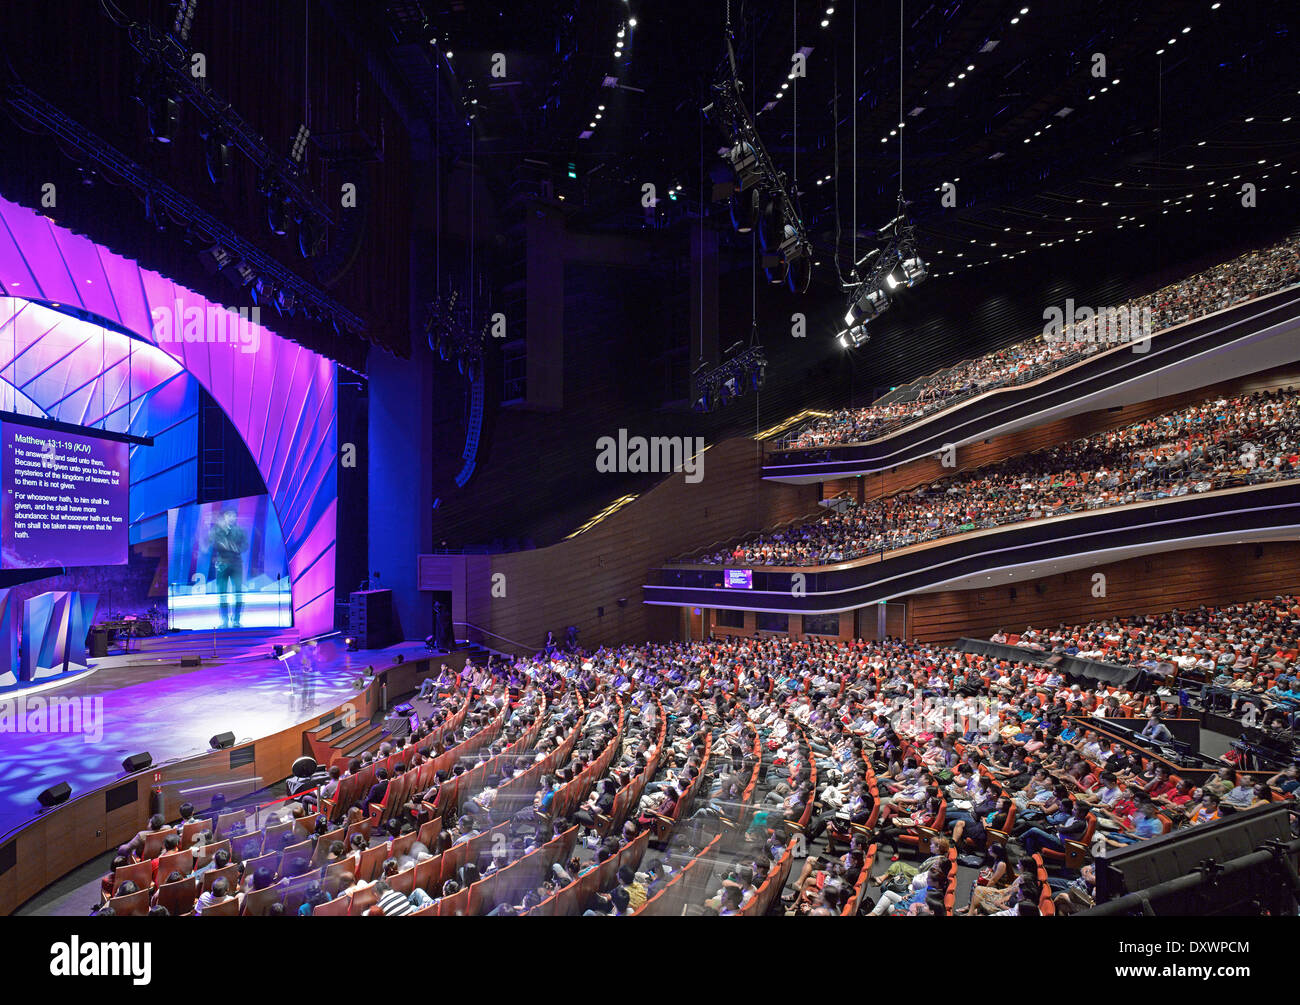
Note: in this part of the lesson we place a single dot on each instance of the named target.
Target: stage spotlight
(914, 270)
(775, 268)
(215, 259)
(285, 302)
(240, 274)
(744, 209)
(852, 337)
(298, 150)
(351, 644)
(743, 159)
(216, 156)
(799, 277)
(704, 403)
(222, 741)
(399, 658)
(428, 644)
(909, 271)
(773, 232)
(311, 236)
(277, 212)
(871, 303)
(263, 291)
(162, 115)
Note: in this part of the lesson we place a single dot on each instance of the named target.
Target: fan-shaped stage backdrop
(279, 396)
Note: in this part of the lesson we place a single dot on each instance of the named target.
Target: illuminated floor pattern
(171, 712)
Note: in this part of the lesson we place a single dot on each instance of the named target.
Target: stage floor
(142, 703)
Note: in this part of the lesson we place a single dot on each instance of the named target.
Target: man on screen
(228, 542)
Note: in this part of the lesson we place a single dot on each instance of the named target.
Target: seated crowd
(1250, 275)
(1215, 444)
(565, 767)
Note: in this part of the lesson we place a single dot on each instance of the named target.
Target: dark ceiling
(1010, 101)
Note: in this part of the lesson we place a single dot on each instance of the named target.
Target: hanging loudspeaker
(775, 268)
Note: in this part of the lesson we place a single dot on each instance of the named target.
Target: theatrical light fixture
(761, 194)
(239, 274)
(853, 337)
(312, 236)
(184, 21)
(298, 151)
(216, 155)
(215, 259)
(898, 265)
(162, 113)
(716, 387)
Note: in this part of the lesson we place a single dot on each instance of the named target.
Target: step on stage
(148, 701)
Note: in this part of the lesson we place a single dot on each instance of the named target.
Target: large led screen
(227, 566)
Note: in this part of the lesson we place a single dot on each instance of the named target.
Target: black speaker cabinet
(137, 762)
(55, 794)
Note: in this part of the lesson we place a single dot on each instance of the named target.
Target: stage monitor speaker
(191, 661)
(222, 741)
(55, 794)
(137, 762)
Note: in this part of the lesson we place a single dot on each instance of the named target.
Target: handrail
(521, 645)
(931, 535)
(1026, 376)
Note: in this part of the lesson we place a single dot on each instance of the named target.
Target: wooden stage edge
(68, 836)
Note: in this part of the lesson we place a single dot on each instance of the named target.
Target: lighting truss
(757, 174)
(166, 62)
(878, 274)
(167, 202)
(729, 380)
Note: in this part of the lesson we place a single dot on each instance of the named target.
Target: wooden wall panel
(1155, 583)
(566, 583)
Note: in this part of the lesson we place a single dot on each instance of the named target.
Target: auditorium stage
(152, 704)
